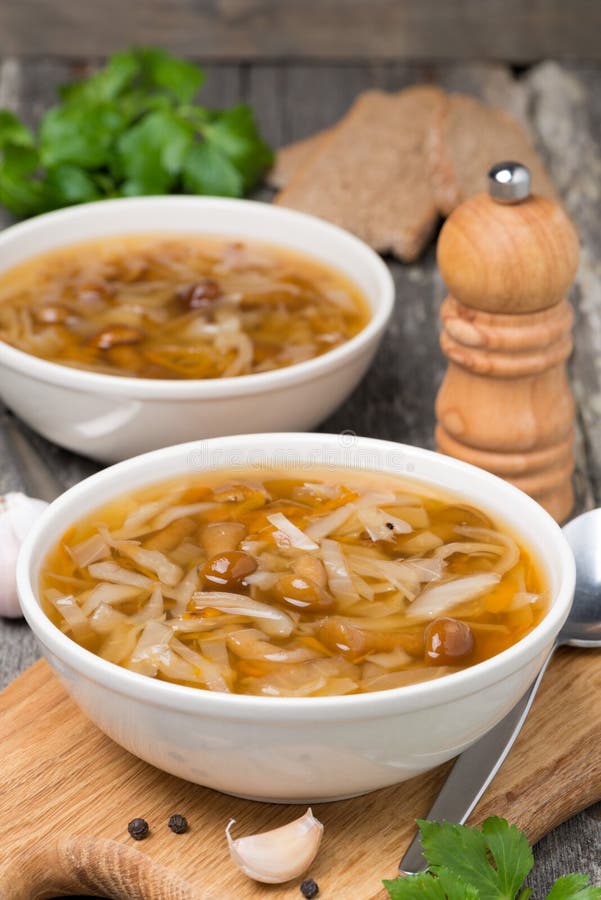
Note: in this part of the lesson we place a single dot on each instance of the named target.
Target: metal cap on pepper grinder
(509, 182)
(507, 250)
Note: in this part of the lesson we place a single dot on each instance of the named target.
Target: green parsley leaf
(107, 84)
(467, 853)
(235, 134)
(152, 152)
(511, 853)
(574, 886)
(208, 171)
(445, 886)
(81, 135)
(68, 184)
(160, 70)
(20, 191)
(415, 886)
(454, 887)
(131, 128)
(488, 863)
(12, 131)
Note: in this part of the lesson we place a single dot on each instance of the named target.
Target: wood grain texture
(561, 105)
(573, 156)
(508, 258)
(505, 403)
(69, 791)
(317, 29)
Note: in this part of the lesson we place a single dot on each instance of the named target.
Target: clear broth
(317, 626)
(159, 306)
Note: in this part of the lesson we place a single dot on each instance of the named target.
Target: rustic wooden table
(562, 107)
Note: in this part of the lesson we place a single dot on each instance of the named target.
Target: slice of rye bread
(467, 138)
(371, 175)
(291, 158)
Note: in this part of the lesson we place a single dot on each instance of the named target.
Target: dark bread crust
(370, 173)
(396, 162)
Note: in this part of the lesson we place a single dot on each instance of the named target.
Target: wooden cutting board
(67, 793)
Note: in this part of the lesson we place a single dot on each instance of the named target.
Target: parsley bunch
(130, 129)
(490, 863)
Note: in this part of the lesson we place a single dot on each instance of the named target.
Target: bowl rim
(101, 383)
(281, 709)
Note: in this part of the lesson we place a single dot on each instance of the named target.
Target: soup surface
(289, 584)
(177, 307)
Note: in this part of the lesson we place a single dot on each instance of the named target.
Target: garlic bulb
(278, 855)
(17, 514)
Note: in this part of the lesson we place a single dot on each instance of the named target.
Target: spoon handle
(472, 773)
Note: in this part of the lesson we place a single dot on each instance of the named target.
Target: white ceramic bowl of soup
(112, 417)
(300, 749)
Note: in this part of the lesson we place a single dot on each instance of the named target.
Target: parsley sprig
(487, 863)
(132, 128)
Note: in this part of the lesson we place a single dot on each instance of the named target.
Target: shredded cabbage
(134, 590)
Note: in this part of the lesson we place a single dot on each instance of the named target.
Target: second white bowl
(111, 417)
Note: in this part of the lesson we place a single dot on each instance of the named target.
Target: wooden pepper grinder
(508, 259)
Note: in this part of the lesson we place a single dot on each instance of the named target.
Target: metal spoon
(477, 766)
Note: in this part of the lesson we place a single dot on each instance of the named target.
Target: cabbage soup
(292, 584)
(177, 307)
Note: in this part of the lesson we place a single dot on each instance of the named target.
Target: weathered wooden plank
(566, 115)
(38, 85)
(326, 29)
(263, 89)
(395, 76)
(396, 399)
(222, 86)
(316, 96)
(18, 649)
(565, 109)
(573, 847)
(492, 82)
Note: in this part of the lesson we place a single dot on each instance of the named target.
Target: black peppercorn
(309, 888)
(178, 824)
(138, 828)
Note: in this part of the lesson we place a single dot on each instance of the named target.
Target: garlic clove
(17, 515)
(280, 854)
(22, 510)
